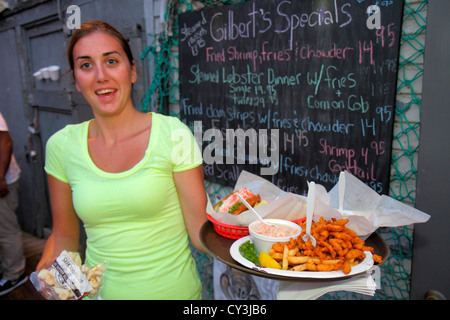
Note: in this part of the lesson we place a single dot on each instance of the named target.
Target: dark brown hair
(94, 26)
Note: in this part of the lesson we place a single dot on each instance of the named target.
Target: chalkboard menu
(293, 91)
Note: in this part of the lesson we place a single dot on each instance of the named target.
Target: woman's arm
(192, 195)
(66, 228)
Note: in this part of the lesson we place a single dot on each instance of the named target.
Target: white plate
(363, 266)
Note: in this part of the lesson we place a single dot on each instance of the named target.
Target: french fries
(337, 248)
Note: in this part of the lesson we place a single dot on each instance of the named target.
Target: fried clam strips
(340, 237)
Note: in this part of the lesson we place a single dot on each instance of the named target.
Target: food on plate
(232, 204)
(337, 248)
(273, 231)
(267, 261)
(247, 250)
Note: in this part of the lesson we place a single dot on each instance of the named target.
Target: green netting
(163, 96)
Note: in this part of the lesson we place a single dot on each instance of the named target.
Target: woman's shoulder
(168, 122)
(69, 132)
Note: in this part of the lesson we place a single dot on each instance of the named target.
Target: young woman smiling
(134, 179)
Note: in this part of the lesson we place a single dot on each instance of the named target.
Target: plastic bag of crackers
(69, 279)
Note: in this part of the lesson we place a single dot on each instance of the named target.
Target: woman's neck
(112, 130)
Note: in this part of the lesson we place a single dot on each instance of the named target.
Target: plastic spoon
(254, 211)
(341, 189)
(309, 212)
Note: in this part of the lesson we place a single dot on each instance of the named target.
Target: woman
(128, 176)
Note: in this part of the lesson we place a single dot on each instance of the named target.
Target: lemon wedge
(263, 202)
(267, 261)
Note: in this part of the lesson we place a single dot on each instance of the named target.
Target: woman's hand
(45, 264)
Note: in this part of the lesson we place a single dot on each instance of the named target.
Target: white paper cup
(53, 72)
(38, 75)
(45, 73)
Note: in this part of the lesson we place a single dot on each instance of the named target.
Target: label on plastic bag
(68, 274)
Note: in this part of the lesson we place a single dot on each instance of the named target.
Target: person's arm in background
(6, 146)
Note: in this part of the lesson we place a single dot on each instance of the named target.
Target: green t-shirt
(133, 219)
